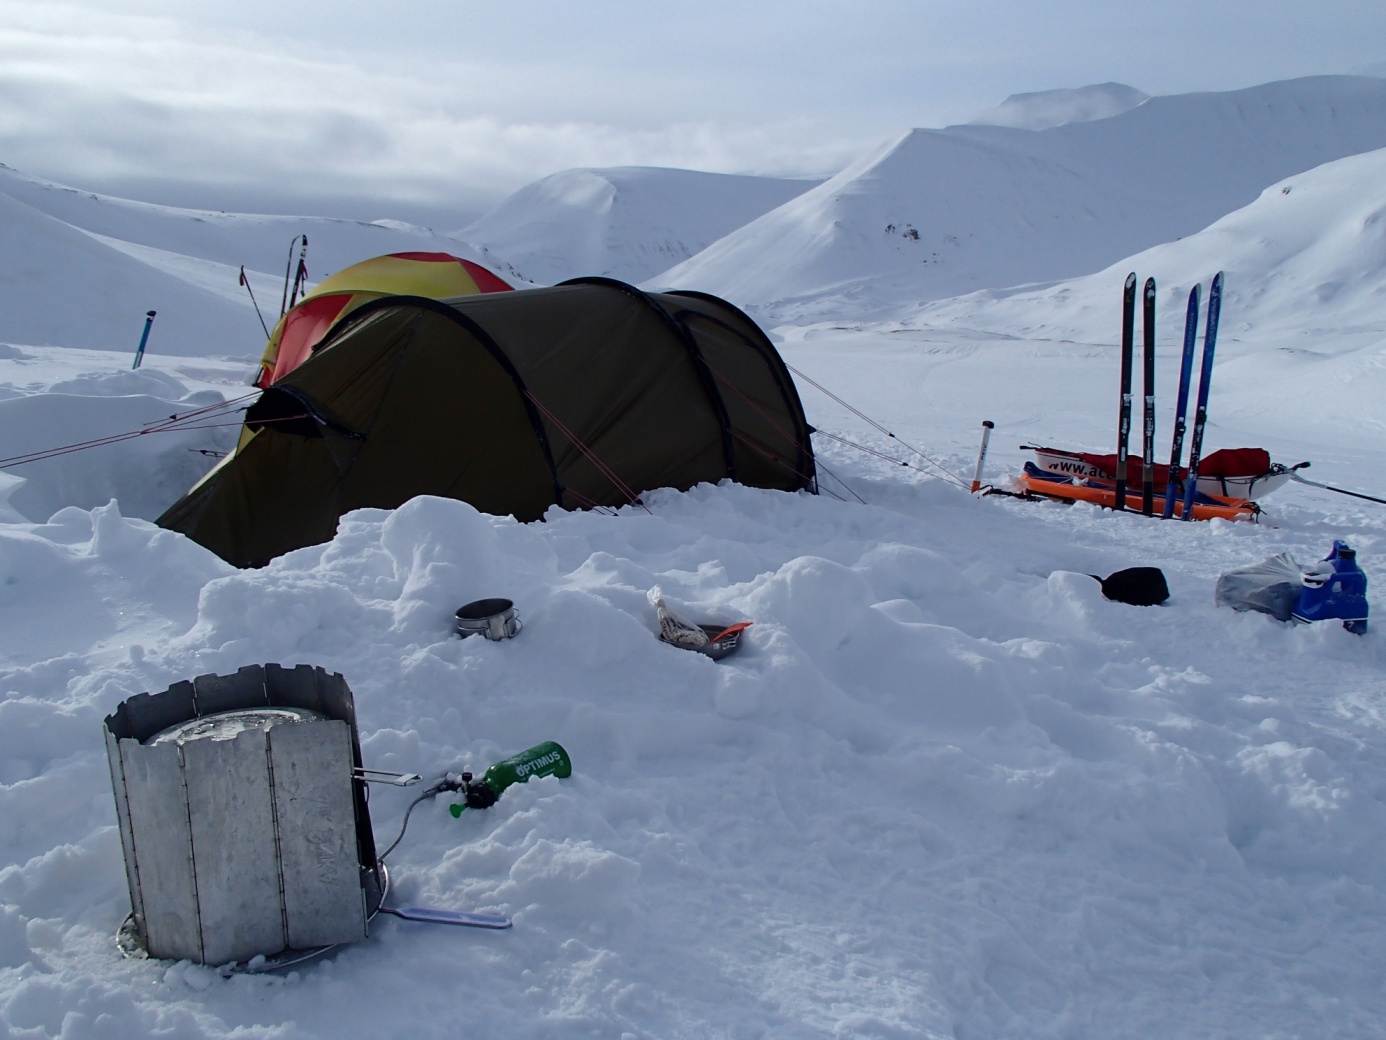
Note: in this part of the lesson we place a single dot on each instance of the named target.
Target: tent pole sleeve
(700, 365)
(790, 394)
(490, 345)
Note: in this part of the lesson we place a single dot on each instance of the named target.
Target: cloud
(117, 97)
(457, 103)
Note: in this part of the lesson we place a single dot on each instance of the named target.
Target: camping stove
(242, 809)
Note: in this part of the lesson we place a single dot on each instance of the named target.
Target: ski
(1128, 339)
(1181, 405)
(1148, 438)
(1205, 379)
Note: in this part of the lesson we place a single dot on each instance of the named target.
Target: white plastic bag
(1271, 586)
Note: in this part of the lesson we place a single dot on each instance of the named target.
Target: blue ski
(1205, 379)
(1128, 339)
(1176, 452)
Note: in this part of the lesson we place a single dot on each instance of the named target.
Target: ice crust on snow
(944, 789)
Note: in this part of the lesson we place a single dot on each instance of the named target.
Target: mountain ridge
(989, 206)
(625, 222)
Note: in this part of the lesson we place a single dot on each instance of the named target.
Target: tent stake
(144, 338)
(987, 427)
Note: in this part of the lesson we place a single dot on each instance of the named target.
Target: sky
(444, 107)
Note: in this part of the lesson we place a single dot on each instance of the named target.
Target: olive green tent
(580, 395)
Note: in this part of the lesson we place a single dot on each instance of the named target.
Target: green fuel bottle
(546, 759)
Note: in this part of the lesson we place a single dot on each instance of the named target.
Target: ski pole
(246, 282)
(144, 338)
(301, 274)
(289, 273)
(987, 427)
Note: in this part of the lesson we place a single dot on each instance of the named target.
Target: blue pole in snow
(139, 351)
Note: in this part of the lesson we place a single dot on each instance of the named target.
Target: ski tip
(1150, 286)
(1131, 280)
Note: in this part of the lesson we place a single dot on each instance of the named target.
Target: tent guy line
(174, 423)
(948, 474)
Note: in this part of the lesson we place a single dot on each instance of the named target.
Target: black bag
(1139, 586)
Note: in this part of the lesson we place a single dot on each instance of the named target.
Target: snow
(1045, 108)
(1302, 331)
(945, 789)
(934, 214)
(626, 222)
(82, 268)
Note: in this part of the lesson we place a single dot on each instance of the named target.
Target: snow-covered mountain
(63, 285)
(116, 258)
(939, 213)
(627, 222)
(1308, 255)
(930, 215)
(1303, 328)
(1043, 109)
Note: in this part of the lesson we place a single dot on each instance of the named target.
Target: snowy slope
(627, 222)
(63, 286)
(938, 213)
(1043, 109)
(1309, 253)
(1303, 329)
(114, 259)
